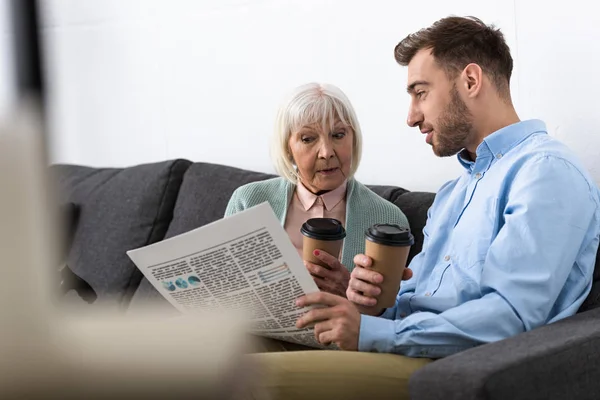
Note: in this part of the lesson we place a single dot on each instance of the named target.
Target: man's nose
(415, 116)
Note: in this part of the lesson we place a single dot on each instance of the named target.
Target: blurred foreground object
(101, 355)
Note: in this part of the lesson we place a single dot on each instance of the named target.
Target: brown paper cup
(325, 234)
(332, 247)
(389, 261)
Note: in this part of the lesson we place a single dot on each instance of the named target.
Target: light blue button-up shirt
(510, 245)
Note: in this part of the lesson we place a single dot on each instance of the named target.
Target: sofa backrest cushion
(205, 192)
(119, 210)
(415, 206)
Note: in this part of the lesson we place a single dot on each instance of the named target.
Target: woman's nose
(326, 150)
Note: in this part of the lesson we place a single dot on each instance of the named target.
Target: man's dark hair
(456, 42)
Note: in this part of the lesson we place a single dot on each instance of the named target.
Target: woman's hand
(333, 280)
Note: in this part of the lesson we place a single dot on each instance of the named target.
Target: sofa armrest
(557, 361)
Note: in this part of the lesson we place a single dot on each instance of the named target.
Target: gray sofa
(121, 209)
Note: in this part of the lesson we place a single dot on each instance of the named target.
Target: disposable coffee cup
(388, 246)
(325, 234)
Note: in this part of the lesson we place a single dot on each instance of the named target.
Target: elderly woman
(316, 149)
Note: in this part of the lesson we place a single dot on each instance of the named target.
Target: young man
(509, 245)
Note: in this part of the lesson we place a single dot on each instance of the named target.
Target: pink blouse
(306, 205)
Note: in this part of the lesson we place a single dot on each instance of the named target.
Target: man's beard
(454, 127)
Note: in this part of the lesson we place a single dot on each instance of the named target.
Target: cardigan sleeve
(399, 218)
(234, 205)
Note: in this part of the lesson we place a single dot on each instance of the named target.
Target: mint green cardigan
(363, 209)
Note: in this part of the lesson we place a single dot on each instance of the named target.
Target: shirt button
(478, 175)
(499, 156)
(403, 315)
(447, 258)
(428, 294)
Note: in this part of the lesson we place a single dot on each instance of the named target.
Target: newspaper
(244, 263)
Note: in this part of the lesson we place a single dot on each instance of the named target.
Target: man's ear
(472, 79)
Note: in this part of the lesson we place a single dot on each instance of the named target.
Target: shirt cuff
(376, 334)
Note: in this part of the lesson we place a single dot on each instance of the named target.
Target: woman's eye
(339, 135)
(306, 139)
(420, 94)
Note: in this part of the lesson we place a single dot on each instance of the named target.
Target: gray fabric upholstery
(415, 206)
(119, 210)
(558, 361)
(204, 194)
(593, 299)
(390, 193)
(68, 215)
(122, 209)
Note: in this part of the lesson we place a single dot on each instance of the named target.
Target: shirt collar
(464, 160)
(330, 199)
(503, 140)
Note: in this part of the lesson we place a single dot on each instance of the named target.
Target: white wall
(559, 79)
(7, 88)
(144, 80)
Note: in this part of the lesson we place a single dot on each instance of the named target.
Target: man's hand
(364, 288)
(338, 322)
(334, 280)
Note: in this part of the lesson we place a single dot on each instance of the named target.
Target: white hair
(307, 105)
